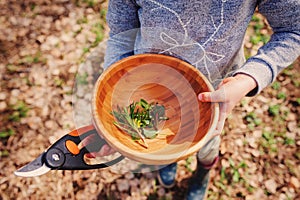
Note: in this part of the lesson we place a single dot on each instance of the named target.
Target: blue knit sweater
(208, 34)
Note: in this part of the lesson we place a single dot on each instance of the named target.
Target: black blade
(35, 168)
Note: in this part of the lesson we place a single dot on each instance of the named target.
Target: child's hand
(104, 151)
(228, 94)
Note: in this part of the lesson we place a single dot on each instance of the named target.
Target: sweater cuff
(260, 72)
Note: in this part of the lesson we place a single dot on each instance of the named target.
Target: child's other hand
(104, 151)
(230, 91)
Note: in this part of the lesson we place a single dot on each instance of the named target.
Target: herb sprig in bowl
(140, 119)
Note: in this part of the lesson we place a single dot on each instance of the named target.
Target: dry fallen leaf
(295, 182)
(45, 43)
(271, 185)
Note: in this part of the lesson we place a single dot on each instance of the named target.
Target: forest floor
(49, 47)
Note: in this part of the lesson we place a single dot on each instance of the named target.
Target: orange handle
(80, 131)
(72, 147)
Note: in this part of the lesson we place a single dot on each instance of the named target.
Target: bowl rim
(148, 158)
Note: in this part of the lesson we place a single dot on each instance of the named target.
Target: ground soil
(50, 55)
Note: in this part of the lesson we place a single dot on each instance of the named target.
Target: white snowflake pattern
(205, 56)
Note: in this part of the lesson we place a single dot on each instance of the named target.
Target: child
(209, 35)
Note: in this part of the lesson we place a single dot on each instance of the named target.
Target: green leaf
(281, 95)
(223, 174)
(4, 153)
(289, 141)
(236, 176)
(150, 133)
(274, 110)
(144, 104)
(276, 85)
(7, 133)
(298, 101)
(132, 108)
(139, 119)
(231, 163)
(127, 130)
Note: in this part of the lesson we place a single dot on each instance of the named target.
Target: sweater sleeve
(283, 47)
(122, 19)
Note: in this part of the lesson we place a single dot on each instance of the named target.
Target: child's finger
(89, 139)
(224, 81)
(216, 96)
(104, 151)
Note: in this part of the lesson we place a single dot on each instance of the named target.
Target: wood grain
(168, 81)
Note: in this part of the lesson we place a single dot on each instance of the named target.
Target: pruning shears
(65, 154)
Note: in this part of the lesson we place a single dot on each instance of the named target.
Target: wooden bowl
(168, 81)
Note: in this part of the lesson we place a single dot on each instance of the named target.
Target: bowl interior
(159, 79)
